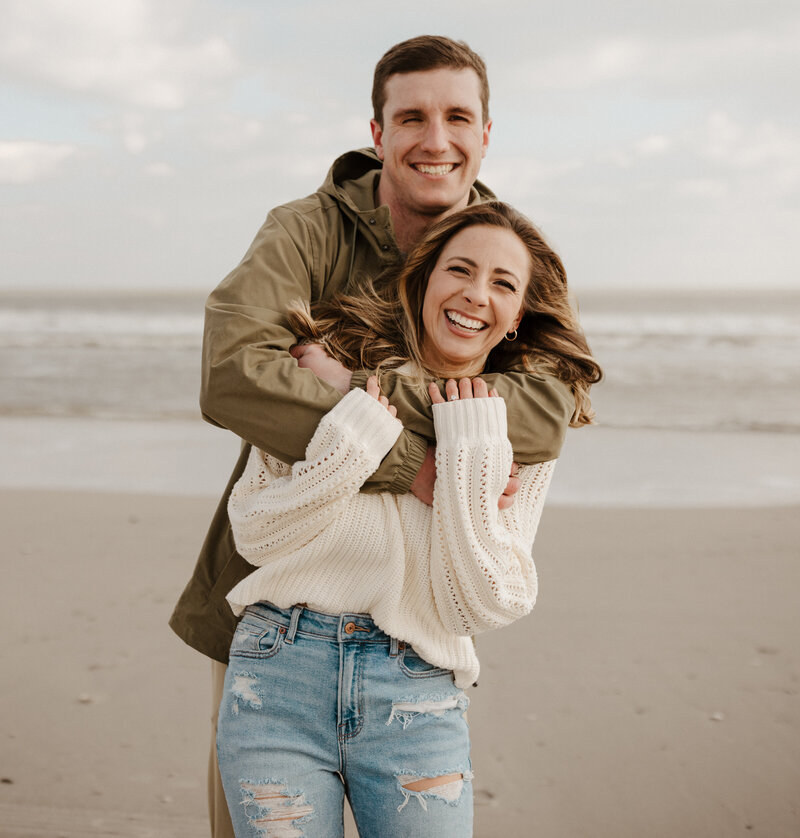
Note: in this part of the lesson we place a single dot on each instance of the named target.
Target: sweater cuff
(468, 421)
(366, 421)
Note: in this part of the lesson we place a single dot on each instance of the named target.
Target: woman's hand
(374, 390)
(476, 388)
(312, 356)
(465, 388)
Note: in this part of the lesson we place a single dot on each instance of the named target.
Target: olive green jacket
(310, 249)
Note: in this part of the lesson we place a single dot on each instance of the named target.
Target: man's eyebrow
(407, 112)
(454, 109)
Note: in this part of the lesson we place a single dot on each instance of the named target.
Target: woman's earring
(513, 334)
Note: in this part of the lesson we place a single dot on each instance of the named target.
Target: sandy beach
(654, 691)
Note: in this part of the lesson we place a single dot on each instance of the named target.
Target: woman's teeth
(465, 322)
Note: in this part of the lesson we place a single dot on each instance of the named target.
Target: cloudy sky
(142, 142)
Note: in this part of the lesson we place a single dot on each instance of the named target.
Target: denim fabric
(317, 706)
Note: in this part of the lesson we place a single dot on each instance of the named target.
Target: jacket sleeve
(275, 510)
(539, 408)
(482, 571)
(250, 384)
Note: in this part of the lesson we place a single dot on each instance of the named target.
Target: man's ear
(377, 137)
(486, 130)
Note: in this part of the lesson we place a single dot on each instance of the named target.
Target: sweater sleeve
(482, 571)
(274, 510)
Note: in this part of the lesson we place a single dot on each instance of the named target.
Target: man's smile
(434, 169)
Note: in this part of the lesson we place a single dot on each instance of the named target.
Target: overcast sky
(142, 142)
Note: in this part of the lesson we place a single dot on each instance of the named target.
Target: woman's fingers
(479, 389)
(433, 391)
(465, 388)
(374, 390)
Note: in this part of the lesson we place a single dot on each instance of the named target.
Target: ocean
(699, 362)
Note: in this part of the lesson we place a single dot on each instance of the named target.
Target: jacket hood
(346, 181)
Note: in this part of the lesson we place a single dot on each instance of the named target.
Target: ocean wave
(75, 327)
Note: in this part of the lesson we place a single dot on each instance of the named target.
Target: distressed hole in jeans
(446, 787)
(273, 811)
(244, 689)
(407, 711)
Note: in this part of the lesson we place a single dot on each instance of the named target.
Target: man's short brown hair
(427, 52)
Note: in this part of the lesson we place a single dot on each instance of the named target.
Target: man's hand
(422, 487)
(507, 498)
(312, 356)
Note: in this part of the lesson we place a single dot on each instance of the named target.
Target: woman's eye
(458, 269)
(504, 283)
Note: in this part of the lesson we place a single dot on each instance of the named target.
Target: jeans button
(350, 628)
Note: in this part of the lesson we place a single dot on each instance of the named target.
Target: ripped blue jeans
(317, 706)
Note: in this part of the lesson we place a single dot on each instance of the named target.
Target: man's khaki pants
(221, 826)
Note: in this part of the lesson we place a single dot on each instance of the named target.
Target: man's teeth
(444, 169)
(465, 322)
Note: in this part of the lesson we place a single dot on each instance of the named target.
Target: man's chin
(438, 205)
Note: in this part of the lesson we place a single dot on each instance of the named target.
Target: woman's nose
(477, 294)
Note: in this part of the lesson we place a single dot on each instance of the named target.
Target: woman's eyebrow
(473, 264)
(464, 259)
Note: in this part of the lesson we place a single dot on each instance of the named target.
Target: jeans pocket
(414, 666)
(256, 637)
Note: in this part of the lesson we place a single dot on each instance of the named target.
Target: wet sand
(653, 692)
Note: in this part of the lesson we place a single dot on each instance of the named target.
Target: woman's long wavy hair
(380, 325)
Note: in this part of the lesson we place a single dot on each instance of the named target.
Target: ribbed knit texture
(429, 577)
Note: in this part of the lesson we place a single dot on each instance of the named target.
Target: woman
(348, 667)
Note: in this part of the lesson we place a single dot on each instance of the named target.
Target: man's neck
(409, 227)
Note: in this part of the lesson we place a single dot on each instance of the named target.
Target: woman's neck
(468, 370)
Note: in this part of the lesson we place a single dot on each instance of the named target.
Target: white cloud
(159, 170)
(654, 145)
(135, 51)
(737, 145)
(24, 161)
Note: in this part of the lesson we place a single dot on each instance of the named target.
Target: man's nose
(435, 139)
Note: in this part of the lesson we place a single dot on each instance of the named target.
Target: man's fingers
(505, 502)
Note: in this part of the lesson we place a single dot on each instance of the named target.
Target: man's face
(432, 141)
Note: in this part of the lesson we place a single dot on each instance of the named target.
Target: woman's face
(474, 296)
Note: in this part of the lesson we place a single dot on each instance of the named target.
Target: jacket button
(350, 628)
(384, 247)
(372, 221)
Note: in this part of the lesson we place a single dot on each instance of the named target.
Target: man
(431, 130)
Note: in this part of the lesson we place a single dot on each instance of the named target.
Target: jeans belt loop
(394, 647)
(297, 610)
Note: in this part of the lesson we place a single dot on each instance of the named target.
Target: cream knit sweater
(431, 577)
